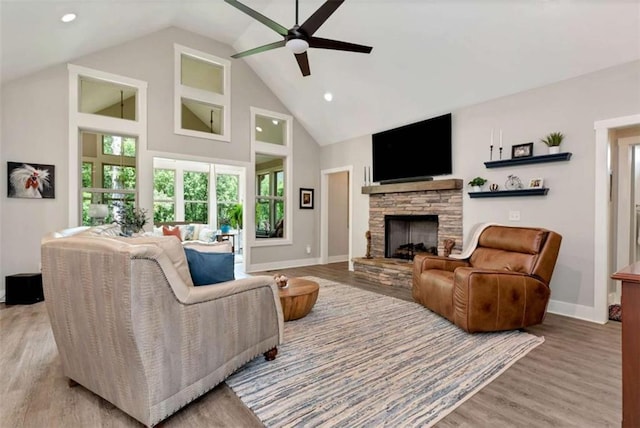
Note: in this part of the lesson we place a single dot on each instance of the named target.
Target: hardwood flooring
(572, 380)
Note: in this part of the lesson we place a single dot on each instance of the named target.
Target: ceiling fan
(300, 37)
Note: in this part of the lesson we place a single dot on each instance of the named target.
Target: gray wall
(35, 129)
(338, 210)
(570, 106)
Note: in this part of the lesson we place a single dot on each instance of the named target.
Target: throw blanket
(473, 243)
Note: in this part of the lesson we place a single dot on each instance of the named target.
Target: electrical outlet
(514, 215)
(308, 249)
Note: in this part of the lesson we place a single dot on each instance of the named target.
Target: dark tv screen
(413, 152)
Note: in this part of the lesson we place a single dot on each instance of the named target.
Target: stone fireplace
(401, 202)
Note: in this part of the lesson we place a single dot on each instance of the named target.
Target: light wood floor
(572, 380)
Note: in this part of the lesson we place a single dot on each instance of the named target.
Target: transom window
(202, 95)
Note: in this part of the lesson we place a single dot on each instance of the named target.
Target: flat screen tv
(413, 152)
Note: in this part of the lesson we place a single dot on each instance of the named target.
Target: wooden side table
(298, 298)
(630, 277)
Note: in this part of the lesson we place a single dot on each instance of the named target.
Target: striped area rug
(364, 359)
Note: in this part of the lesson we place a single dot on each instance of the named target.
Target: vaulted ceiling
(429, 56)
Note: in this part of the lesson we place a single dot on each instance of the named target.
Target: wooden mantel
(414, 186)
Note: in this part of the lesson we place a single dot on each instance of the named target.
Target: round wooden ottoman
(298, 298)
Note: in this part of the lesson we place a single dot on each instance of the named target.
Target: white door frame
(324, 212)
(602, 240)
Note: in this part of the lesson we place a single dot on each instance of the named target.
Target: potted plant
(553, 141)
(130, 219)
(225, 223)
(235, 216)
(477, 183)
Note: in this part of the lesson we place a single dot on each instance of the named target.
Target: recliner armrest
(422, 262)
(490, 300)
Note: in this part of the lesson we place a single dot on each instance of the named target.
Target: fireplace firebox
(406, 235)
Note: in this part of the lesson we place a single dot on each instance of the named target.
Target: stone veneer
(405, 200)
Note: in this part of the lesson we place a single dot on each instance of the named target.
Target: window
(108, 175)
(196, 196)
(107, 99)
(228, 200)
(202, 95)
(164, 195)
(271, 144)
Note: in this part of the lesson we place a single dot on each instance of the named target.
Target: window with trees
(272, 153)
(164, 195)
(108, 175)
(196, 196)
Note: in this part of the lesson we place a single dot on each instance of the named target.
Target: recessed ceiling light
(258, 129)
(328, 96)
(68, 17)
(275, 122)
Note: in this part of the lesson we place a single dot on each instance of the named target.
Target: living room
(577, 205)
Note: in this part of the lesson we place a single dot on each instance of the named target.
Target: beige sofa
(131, 327)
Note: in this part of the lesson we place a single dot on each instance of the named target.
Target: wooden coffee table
(298, 298)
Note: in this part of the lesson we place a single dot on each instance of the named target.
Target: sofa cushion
(207, 234)
(209, 247)
(169, 231)
(209, 268)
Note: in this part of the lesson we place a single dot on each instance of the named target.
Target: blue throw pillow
(209, 268)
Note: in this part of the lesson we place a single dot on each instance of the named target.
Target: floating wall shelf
(558, 157)
(505, 193)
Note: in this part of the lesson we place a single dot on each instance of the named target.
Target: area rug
(364, 359)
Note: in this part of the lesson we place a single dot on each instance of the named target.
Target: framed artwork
(536, 183)
(306, 199)
(522, 150)
(31, 180)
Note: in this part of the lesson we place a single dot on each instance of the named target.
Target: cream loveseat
(131, 327)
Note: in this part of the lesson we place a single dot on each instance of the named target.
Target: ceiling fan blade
(318, 18)
(259, 49)
(303, 62)
(317, 42)
(259, 17)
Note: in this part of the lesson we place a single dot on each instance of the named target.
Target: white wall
(570, 106)
(35, 129)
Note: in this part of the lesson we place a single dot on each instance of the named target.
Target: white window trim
(285, 151)
(182, 91)
(79, 122)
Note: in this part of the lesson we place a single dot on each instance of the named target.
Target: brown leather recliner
(504, 285)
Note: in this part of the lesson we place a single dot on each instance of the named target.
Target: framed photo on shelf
(306, 199)
(536, 183)
(522, 150)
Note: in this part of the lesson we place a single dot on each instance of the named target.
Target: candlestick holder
(500, 153)
(491, 152)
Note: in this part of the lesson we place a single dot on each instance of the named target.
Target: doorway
(336, 215)
(605, 133)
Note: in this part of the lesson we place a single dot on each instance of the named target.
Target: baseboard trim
(586, 313)
(260, 267)
(338, 259)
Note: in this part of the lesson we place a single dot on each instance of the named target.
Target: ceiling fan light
(297, 46)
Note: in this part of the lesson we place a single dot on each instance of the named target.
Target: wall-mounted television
(414, 152)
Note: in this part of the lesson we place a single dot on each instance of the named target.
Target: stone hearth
(439, 197)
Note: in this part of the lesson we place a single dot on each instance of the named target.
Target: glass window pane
(118, 177)
(263, 216)
(203, 117)
(227, 187)
(270, 130)
(163, 211)
(119, 146)
(201, 74)
(164, 181)
(263, 185)
(87, 174)
(196, 186)
(279, 183)
(196, 212)
(112, 200)
(107, 99)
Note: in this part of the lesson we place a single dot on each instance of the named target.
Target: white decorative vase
(554, 150)
(476, 188)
